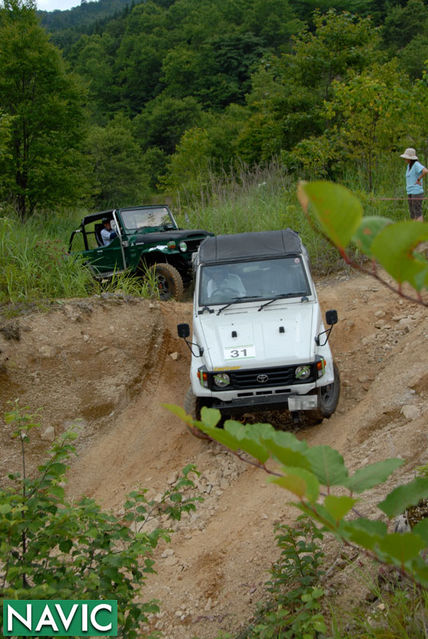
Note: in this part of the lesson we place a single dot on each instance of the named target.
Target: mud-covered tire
(168, 281)
(328, 398)
(192, 406)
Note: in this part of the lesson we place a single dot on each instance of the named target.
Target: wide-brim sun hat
(409, 154)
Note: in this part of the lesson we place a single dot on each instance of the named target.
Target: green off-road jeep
(141, 237)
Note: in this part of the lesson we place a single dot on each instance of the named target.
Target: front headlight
(183, 247)
(221, 380)
(302, 372)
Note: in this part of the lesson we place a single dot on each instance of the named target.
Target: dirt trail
(112, 363)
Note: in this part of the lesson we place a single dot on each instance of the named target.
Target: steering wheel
(230, 292)
(224, 295)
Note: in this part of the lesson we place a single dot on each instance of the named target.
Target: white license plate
(239, 352)
(303, 402)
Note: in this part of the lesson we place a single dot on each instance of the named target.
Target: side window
(90, 234)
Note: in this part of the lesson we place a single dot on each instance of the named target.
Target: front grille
(255, 378)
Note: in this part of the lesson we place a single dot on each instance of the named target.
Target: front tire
(192, 406)
(168, 281)
(328, 398)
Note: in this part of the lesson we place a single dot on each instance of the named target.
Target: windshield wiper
(238, 299)
(280, 297)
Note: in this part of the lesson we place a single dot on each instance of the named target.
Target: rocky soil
(109, 363)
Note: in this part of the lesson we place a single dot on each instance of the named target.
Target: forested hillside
(165, 94)
(68, 25)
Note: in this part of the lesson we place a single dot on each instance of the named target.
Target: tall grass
(35, 266)
(265, 199)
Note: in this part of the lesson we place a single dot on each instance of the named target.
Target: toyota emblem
(262, 379)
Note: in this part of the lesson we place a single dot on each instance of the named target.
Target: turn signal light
(203, 378)
(321, 367)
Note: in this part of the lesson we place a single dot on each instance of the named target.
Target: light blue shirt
(411, 176)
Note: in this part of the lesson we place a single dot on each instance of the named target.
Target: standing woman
(415, 191)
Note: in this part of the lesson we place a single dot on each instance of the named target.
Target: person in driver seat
(107, 233)
(229, 282)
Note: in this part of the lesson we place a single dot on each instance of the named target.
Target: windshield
(261, 280)
(157, 217)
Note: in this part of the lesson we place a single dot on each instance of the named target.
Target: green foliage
(205, 151)
(289, 91)
(398, 612)
(81, 16)
(51, 548)
(311, 474)
(116, 161)
(294, 610)
(164, 120)
(43, 165)
(370, 111)
(250, 200)
(329, 202)
(129, 284)
(35, 266)
(394, 245)
(403, 23)
(211, 84)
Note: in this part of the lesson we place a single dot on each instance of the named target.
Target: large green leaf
(210, 416)
(286, 448)
(219, 435)
(364, 532)
(287, 456)
(367, 231)
(317, 512)
(179, 412)
(338, 211)
(371, 475)
(259, 431)
(338, 506)
(401, 546)
(421, 529)
(328, 465)
(394, 248)
(247, 440)
(404, 496)
(288, 440)
(300, 482)
(419, 569)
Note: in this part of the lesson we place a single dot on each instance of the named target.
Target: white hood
(241, 337)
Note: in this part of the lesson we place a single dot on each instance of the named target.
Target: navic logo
(52, 618)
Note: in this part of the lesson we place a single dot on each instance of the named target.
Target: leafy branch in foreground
(393, 245)
(51, 548)
(314, 474)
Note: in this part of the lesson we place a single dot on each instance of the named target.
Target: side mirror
(183, 330)
(331, 317)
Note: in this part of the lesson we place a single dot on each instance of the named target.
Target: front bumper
(282, 400)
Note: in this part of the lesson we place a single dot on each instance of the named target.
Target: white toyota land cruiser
(259, 341)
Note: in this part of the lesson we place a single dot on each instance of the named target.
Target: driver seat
(97, 229)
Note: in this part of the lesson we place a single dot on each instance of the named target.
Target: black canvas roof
(223, 248)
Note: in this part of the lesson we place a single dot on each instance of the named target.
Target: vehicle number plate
(303, 402)
(239, 352)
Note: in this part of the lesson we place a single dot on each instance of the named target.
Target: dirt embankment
(110, 363)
